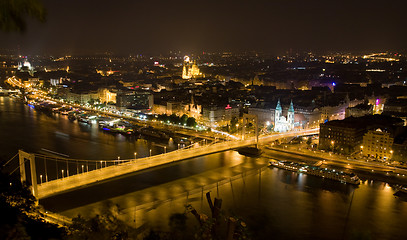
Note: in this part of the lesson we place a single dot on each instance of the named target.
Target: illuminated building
(282, 124)
(347, 136)
(219, 116)
(377, 144)
(105, 73)
(190, 69)
(192, 109)
(106, 96)
(81, 98)
(55, 81)
(26, 67)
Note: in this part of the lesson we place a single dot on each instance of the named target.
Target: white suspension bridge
(60, 174)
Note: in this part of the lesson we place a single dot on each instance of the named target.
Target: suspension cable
(10, 160)
(25, 160)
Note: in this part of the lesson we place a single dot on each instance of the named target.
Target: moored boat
(333, 174)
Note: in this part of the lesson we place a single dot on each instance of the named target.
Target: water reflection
(275, 203)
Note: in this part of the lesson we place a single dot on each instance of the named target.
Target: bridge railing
(133, 165)
(201, 146)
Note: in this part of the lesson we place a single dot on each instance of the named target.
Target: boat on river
(333, 174)
(401, 188)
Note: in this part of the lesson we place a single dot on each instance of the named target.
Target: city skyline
(269, 26)
(203, 120)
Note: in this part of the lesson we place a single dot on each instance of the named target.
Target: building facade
(346, 136)
(134, 100)
(282, 124)
(107, 96)
(190, 69)
(377, 144)
(218, 116)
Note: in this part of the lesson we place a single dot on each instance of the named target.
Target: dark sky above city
(158, 26)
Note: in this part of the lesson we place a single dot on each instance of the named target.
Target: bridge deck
(55, 187)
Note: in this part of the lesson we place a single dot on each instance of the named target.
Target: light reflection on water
(275, 203)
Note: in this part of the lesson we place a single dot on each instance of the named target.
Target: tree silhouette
(14, 13)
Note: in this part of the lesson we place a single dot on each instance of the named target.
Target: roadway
(337, 161)
(75, 181)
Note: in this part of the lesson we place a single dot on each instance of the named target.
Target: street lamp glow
(150, 152)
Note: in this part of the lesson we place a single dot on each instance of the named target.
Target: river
(276, 204)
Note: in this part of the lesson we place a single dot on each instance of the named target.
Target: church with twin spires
(281, 123)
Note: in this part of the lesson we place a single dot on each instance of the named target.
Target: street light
(118, 159)
(150, 152)
(165, 149)
(62, 173)
(41, 178)
(135, 156)
(82, 168)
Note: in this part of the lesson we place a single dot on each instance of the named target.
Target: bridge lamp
(135, 155)
(101, 164)
(62, 173)
(150, 152)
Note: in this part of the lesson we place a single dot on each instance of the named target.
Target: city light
(288, 118)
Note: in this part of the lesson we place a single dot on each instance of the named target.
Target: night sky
(158, 26)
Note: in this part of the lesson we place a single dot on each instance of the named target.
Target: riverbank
(365, 170)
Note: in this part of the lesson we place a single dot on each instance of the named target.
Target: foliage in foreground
(13, 14)
(19, 216)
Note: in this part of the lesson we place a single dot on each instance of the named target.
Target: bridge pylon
(23, 175)
(247, 118)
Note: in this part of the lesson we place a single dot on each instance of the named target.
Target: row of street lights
(101, 164)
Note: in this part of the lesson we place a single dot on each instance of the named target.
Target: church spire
(291, 109)
(279, 105)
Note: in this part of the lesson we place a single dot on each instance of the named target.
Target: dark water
(276, 204)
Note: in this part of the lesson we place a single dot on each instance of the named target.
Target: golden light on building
(377, 144)
(190, 69)
(105, 73)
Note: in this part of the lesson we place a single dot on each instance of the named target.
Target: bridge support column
(22, 156)
(246, 119)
